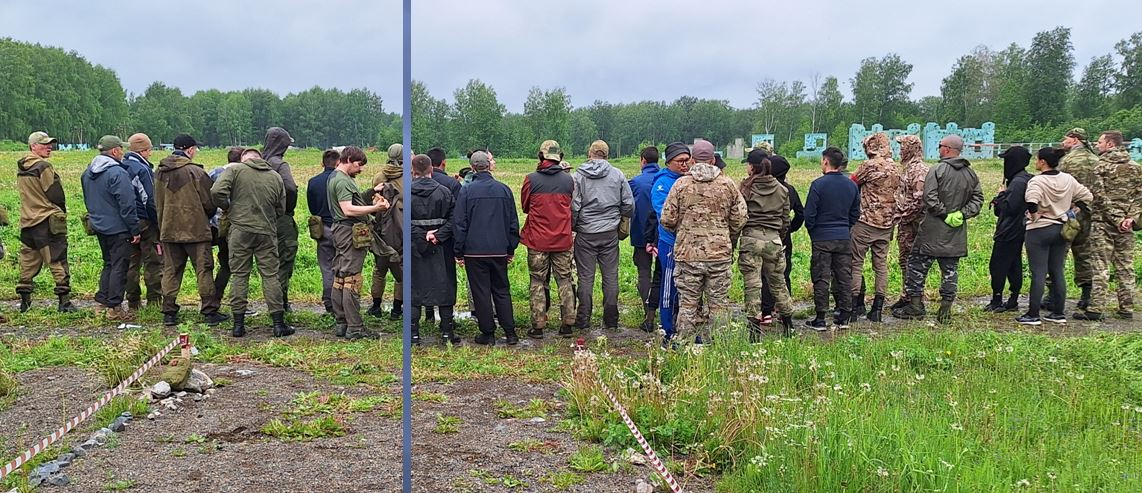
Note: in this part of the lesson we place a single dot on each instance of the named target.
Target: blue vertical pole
(406, 260)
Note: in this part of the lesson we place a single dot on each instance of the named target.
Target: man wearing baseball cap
(182, 197)
(110, 200)
(600, 202)
(43, 223)
(1080, 162)
(546, 199)
(146, 253)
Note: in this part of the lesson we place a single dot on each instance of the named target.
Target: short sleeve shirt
(342, 188)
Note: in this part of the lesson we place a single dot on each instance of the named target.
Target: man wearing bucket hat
(43, 223)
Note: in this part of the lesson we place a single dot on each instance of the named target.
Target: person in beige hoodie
(1053, 198)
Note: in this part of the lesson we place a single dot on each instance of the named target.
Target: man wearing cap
(351, 215)
(546, 199)
(389, 182)
(182, 199)
(878, 181)
(145, 254)
(600, 201)
(273, 151)
(1112, 235)
(952, 196)
(253, 198)
(705, 210)
(110, 199)
(486, 228)
(649, 271)
(661, 245)
(909, 204)
(220, 226)
(317, 198)
(43, 223)
(1080, 162)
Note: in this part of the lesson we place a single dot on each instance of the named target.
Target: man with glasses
(43, 223)
(661, 245)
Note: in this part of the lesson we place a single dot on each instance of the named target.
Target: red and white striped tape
(654, 460)
(73, 422)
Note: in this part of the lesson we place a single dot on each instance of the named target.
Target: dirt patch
(46, 399)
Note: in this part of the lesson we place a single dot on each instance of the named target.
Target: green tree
(547, 114)
(1049, 67)
(1128, 80)
(1093, 95)
(234, 117)
(477, 115)
(161, 112)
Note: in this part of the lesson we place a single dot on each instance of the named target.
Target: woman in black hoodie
(1010, 210)
(779, 168)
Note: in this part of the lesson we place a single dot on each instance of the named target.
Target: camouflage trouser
(145, 257)
(695, 279)
(905, 238)
(347, 280)
(382, 265)
(865, 238)
(1080, 249)
(762, 255)
(918, 267)
(543, 266)
(1110, 247)
(201, 256)
(38, 247)
(247, 246)
(287, 252)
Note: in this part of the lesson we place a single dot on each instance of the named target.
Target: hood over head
(1015, 159)
(877, 146)
(911, 149)
(704, 172)
(778, 167)
(277, 143)
(596, 168)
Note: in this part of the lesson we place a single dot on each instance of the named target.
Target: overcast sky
(613, 50)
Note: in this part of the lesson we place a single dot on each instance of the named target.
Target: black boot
(239, 329)
(914, 310)
(339, 329)
(754, 330)
(398, 310)
(876, 313)
(1012, 303)
(415, 334)
(1084, 300)
(787, 325)
(945, 314)
(648, 324)
(170, 319)
(25, 302)
(511, 337)
(448, 330)
(858, 307)
(429, 316)
(996, 304)
(376, 310)
(65, 305)
(900, 303)
(281, 329)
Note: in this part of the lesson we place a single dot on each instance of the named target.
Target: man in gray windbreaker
(601, 206)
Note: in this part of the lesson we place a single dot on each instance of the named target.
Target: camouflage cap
(396, 153)
(765, 146)
(598, 148)
(1078, 133)
(40, 138)
(108, 142)
(550, 150)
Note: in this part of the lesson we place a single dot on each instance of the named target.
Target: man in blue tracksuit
(649, 271)
(677, 165)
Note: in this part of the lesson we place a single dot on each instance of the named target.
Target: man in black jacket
(487, 207)
(1007, 253)
(433, 272)
(439, 163)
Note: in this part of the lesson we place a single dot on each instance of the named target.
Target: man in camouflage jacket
(1111, 236)
(878, 181)
(909, 208)
(1080, 162)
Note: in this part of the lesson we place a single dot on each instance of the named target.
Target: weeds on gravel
(946, 410)
(437, 397)
(305, 430)
(589, 459)
(488, 478)
(562, 480)
(119, 485)
(447, 424)
(536, 408)
(8, 387)
(533, 445)
(313, 403)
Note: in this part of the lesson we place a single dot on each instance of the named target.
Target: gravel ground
(46, 399)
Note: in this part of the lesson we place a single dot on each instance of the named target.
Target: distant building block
(979, 143)
(736, 150)
(815, 143)
(760, 138)
(1135, 147)
(857, 134)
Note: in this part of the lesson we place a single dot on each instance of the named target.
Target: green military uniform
(760, 250)
(349, 258)
(391, 173)
(276, 144)
(182, 199)
(1080, 162)
(43, 225)
(1115, 201)
(253, 197)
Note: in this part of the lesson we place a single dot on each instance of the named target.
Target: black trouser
(768, 302)
(222, 277)
(649, 278)
(116, 250)
(1006, 266)
(832, 261)
(1046, 254)
(488, 283)
(446, 317)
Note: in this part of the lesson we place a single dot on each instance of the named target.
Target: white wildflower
(919, 376)
(865, 387)
(897, 354)
(882, 472)
(1023, 482)
(957, 427)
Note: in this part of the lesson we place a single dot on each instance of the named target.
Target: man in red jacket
(546, 199)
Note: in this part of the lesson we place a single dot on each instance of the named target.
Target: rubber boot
(787, 325)
(858, 307)
(996, 304)
(281, 329)
(875, 315)
(65, 305)
(375, 310)
(239, 329)
(1084, 301)
(25, 302)
(914, 310)
(945, 314)
(754, 330)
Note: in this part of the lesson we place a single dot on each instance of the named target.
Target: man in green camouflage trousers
(1080, 162)
(1111, 237)
(546, 199)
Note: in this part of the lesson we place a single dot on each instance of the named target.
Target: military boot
(945, 314)
(281, 329)
(877, 312)
(398, 310)
(900, 303)
(376, 310)
(239, 329)
(1012, 303)
(858, 307)
(25, 302)
(914, 310)
(1084, 300)
(339, 329)
(754, 329)
(648, 324)
(787, 325)
(65, 305)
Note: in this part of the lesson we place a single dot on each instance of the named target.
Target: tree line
(1031, 93)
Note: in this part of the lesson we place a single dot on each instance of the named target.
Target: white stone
(161, 390)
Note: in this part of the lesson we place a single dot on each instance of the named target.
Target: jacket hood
(704, 172)
(258, 164)
(28, 161)
(596, 168)
(101, 163)
(277, 143)
(1118, 155)
(424, 186)
(173, 161)
(778, 167)
(876, 145)
(762, 184)
(911, 149)
(134, 156)
(1015, 160)
(957, 162)
(549, 167)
